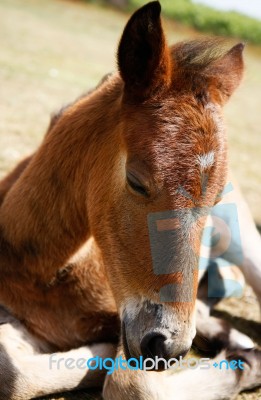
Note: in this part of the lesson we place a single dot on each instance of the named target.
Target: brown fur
(74, 243)
(64, 190)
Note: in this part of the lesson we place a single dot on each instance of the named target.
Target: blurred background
(53, 50)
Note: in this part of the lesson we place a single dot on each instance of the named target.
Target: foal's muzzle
(156, 331)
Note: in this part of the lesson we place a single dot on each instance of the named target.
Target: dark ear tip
(238, 48)
(153, 7)
(156, 7)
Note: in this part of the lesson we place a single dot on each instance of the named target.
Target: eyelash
(138, 188)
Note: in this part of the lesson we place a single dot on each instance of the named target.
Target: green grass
(206, 19)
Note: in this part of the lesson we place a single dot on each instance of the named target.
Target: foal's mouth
(125, 342)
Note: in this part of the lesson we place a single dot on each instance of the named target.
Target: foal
(75, 226)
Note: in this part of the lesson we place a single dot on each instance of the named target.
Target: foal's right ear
(143, 55)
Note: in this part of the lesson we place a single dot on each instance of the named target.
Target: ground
(52, 51)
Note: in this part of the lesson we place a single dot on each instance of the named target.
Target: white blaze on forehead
(206, 160)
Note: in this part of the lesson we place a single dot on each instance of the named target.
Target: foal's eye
(136, 185)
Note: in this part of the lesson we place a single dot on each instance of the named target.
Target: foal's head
(170, 169)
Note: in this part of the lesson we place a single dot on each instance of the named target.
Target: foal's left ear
(225, 74)
(143, 55)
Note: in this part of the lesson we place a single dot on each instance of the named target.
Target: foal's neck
(44, 216)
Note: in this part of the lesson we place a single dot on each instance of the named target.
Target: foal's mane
(58, 114)
(198, 54)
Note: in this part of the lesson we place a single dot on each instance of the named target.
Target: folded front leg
(218, 383)
(197, 384)
(28, 371)
(43, 374)
(134, 385)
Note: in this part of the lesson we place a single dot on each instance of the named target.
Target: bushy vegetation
(210, 20)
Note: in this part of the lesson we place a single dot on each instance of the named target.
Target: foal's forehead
(178, 127)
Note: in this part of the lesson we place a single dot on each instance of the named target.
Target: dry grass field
(53, 50)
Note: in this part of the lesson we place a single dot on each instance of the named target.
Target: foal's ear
(143, 55)
(225, 74)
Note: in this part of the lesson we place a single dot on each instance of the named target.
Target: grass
(52, 51)
(206, 19)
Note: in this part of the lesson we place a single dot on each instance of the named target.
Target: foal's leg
(215, 334)
(251, 244)
(218, 384)
(28, 371)
(250, 238)
(35, 375)
(207, 384)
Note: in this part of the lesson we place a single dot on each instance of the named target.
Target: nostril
(154, 344)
